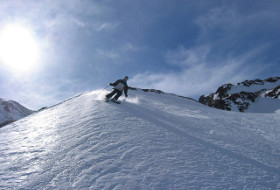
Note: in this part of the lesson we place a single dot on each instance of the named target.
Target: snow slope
(151, 141)
(11, 111)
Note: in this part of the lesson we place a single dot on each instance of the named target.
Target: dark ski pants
(115, 91)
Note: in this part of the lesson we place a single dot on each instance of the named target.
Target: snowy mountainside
(11, 111)
(255, 96)
(150, 141)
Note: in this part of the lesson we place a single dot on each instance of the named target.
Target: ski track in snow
(151, 141)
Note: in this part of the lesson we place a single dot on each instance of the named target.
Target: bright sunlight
(18, 48)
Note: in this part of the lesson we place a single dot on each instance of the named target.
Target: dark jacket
(120, 85)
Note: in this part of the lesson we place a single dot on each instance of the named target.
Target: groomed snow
(151, 141)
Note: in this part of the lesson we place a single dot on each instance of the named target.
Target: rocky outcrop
(242, 95)
(274, 93)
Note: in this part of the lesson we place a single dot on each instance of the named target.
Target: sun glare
(18, 48)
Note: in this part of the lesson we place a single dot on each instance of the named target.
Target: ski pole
(104, 88)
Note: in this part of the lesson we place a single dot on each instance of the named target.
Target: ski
(112, 100)
(117, 102)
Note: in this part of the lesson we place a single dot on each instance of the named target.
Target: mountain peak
(11, 111)
(247, 96)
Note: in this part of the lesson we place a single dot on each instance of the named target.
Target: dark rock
(222, 99)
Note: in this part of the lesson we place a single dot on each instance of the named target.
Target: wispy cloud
(106, 26)
(32, 91)
(183, 57)
(197, 75)
(228, 49)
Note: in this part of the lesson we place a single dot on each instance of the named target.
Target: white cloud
(106, 26)
(219, 56)
(198, 76)
(187, 57)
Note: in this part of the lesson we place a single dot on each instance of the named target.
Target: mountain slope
(11, 111)
(151, 141)
(255, 96)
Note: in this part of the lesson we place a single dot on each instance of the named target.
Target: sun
(18, 48)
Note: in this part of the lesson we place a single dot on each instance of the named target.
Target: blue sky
(185, 47)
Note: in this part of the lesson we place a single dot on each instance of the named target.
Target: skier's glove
(111, 84)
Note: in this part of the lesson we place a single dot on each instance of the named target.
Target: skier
(119, 86)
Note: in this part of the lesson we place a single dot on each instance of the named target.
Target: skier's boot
(116, 101)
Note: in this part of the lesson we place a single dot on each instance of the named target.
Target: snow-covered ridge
(160, 92)
(149, 141)
(255, 85)
(262, 96)
(11, 111)
(130, 88)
